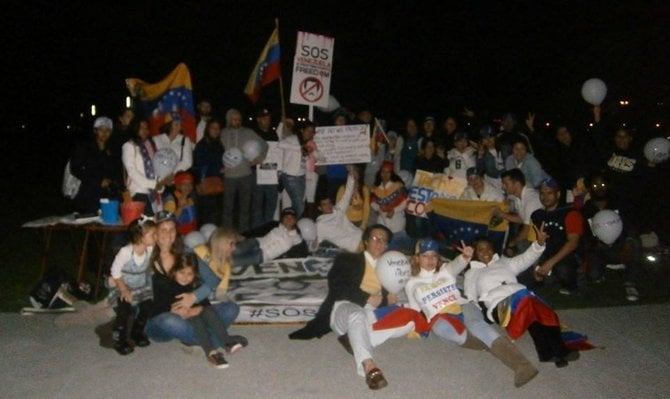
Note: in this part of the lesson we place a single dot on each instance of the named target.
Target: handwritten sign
(342, 144)
(427, 186)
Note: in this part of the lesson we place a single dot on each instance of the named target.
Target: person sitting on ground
(214, 270)
(523, 201)
(354, 293)
(358, 211)
(184, 278)
(389, 200)
(491, 281)
(181, 203)
(130, 286)
(333, 225)
(254, 251)
(432, 289)
(565, 225)
(479, 189)
(625, 250)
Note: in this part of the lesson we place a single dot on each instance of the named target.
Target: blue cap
(163, 216)
(428, 245)
(550, 182)
(472, 171)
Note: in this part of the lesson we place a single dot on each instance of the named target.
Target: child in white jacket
(254, 251)
(491, 281)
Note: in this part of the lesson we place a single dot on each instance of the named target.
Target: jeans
(237, 188)
(264, 204)
(474, 323)
(295, 187)
(168, 326)
(248, 252)
(624, 250)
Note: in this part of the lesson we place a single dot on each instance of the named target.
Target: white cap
(103, 121)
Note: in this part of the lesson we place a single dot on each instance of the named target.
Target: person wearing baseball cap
(432, 289)
(254, 251)
(479, 189)
(97, 166)
(182, 203)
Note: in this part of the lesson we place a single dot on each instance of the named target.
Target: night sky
(398, 58)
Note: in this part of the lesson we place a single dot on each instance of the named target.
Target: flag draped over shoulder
(171, 98)
(267, 69)
(466, 220)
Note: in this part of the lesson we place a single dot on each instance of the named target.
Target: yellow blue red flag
(267, 69)
(171, 98)
(466, 220)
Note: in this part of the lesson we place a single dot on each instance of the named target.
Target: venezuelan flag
(168, 99)
(466, 220)
(267, 69)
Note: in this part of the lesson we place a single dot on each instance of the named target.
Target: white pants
(356, 321)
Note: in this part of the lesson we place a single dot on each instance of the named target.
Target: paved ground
(42, 359)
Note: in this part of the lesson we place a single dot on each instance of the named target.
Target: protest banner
(312, 66)
(342, 144)
(427, 186)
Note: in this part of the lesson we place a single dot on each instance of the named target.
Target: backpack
(70, 183)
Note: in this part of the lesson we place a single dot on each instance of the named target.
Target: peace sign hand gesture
(466, 250)
(540, 234)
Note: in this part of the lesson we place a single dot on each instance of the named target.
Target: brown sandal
(375, 379)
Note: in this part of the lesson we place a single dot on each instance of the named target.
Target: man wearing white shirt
(333, 225)
(525, 200)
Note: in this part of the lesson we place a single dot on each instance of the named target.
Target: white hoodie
(496, 281)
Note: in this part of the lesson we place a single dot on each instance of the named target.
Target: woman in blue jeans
(214, 268)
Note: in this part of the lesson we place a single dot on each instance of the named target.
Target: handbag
(210, 185)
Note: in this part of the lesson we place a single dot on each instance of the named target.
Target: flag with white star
(465, 220)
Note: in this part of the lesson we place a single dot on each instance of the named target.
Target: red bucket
(131, 211)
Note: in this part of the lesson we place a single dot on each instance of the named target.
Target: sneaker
(632, 294)
(599, 280)
(240, 343)
(565, 291)
(619, 266)
(217, 360)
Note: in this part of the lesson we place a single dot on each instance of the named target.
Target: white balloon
(207, 230)
(657, 150)
(251, 149)
(194, 238)
(165, 161)
(393, 270)
(307, 229)
(406, 177)
(333, 105)
(232, 157)
(594, 91)
(607, 226)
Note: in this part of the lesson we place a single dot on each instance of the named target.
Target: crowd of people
(548, 187)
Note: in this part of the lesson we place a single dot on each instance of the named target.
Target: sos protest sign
(312, 68)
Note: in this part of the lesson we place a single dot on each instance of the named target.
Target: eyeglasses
(379, 240)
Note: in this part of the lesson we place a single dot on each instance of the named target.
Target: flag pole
(281, 80)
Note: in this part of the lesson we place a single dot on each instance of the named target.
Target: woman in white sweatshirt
(432, 290)
(491, 281)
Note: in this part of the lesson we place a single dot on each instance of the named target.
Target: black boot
(120, 333)
(137, 334)
(120, 337)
